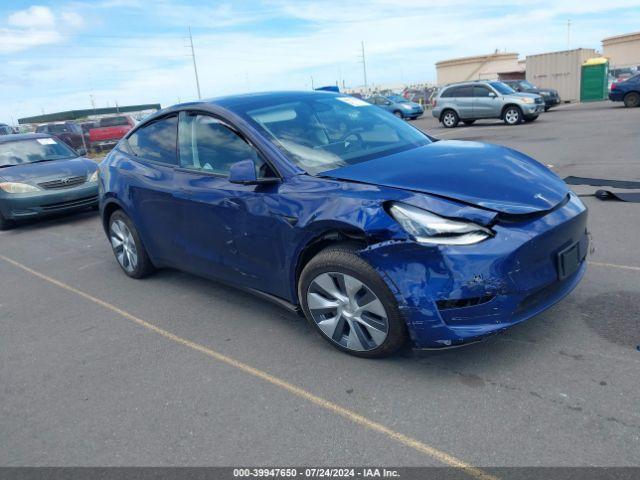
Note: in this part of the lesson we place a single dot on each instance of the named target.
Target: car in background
(471, 101)
(324, 203)
(68, 132)
(398, 105)
(109, 131)
(5, 129)
(550, 95)
(627, 91)
(41, 175)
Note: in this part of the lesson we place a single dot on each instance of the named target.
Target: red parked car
(109, 131)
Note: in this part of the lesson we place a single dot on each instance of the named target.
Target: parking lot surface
(100, 369)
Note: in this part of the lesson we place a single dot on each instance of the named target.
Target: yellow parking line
(613, 265)
(350, 415)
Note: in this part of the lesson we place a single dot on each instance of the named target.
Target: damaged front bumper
(453, 295)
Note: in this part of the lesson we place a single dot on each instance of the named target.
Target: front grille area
(63, 183)
(87, 201)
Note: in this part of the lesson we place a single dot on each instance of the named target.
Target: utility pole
(195, 67)
(568, 34)
(364, 66)
(93, 101)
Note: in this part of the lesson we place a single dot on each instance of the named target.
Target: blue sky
(57, 55)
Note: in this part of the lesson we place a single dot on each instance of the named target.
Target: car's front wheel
(632, 99)
(398, 114)
(349, 305)
(512, 116)
(450, 119)
(127, 246)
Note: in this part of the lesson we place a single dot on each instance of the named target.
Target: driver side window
(208, 145)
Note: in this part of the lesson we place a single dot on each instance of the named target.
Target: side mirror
(244, 173)
(81, 151)
(492, 95)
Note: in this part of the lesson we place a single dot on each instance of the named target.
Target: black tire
(398, 114)
(632, 99)
(531, 119)
(449, 119)
(512, 115)
(469, 122)
(342, 259)
(143, 266)
(546, 109)
(5, 224)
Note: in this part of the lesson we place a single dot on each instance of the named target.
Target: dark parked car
(627, 92)
(329, 205)
(68, 132)
(398, 105)
(550, 96)
(5, 129)
(41, 175)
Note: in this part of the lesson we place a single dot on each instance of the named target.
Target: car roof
(23, 136)
(231, 101)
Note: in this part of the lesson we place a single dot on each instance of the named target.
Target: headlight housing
(93, 178)
(14, 187)
(527, 100)
(429, 228)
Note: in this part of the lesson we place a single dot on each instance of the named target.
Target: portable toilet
(593, 85)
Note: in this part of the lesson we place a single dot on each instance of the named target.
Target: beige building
(622, 50)
(559, 70)
(480, 67)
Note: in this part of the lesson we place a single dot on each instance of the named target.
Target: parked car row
(84, 136)
(470, 101)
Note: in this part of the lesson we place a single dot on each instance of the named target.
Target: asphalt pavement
(97, 369)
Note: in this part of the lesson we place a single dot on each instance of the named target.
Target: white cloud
(33, 17)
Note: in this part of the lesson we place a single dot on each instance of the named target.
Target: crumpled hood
(44, 171)
(488, 176)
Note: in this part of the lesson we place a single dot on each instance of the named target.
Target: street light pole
(195, 67)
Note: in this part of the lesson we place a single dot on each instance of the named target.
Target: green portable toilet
(593, 84)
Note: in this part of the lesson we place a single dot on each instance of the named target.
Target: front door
(228, 230)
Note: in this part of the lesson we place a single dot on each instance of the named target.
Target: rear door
(463, 100)
(150, 179)
(485, 105)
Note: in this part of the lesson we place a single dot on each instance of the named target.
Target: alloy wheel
(347, 311)
(512, 116)
(449, 119)
(124, 246)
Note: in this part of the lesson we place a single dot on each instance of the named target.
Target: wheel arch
(445, 110)
(321, 239)
(508, 105)
(109, 207)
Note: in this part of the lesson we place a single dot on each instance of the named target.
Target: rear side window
(462, 91)
(156, 141)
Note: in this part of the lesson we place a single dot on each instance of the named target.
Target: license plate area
(569, 260)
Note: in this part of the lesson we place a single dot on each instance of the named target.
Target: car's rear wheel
(4, 223)
(469, 122)
(349, 305)
(512, 115)
(450, 119)
(127, 246)
(632, 99)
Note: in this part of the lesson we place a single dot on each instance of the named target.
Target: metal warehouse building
(480, 67)
(559, 70)
(622, 50)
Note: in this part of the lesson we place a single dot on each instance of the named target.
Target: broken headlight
(427, 227)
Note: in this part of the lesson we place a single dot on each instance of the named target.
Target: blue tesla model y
(379, 234)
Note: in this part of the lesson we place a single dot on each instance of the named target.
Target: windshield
(113, 121)
(323, 133)
(526, 84)
(397, 99)
(59, 128)
(32, 151)
(502, 88)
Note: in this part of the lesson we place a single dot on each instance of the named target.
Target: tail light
(614, 86)
(434, 102)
